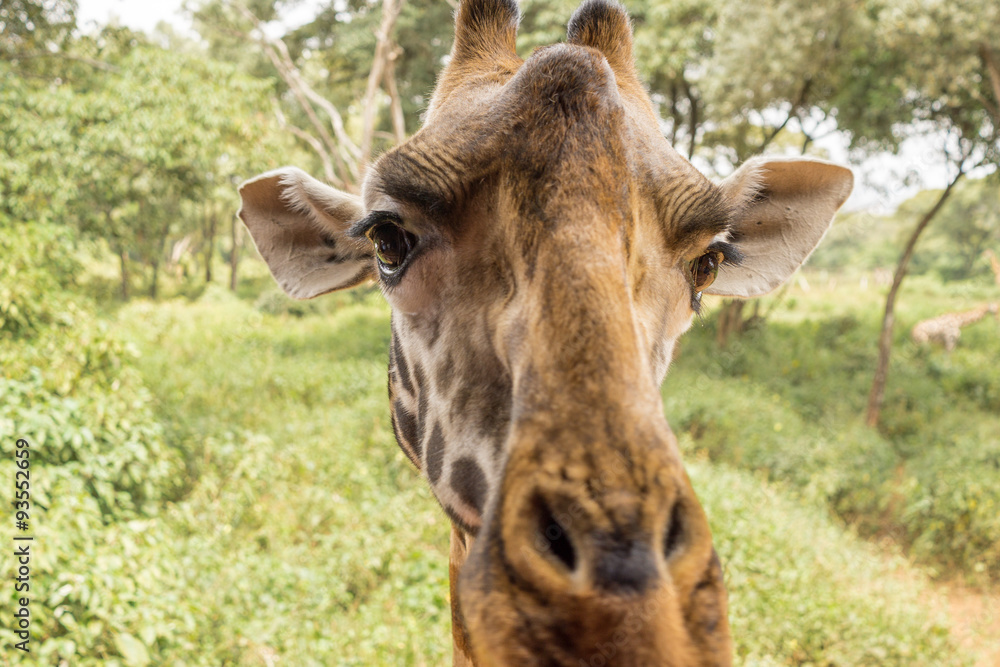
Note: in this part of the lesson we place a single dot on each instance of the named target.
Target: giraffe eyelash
(730, 256)
(360, 229)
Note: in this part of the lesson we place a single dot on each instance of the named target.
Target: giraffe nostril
(675, 531)
(553, 538)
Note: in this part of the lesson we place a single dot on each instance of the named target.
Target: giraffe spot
(457, 519)
(469, 482)
(399, 364)
(405, 427)
(418, 375)
(435, 454)
(704, 597)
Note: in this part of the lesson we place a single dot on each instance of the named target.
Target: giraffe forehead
(559, 124)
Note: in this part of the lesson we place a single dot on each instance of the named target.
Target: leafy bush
(950, 505)
(100, 470)
(100, 465)
(787, 399)
(38, 265)
(109, 441)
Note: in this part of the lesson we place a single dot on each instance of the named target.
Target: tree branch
(328, 149)
(993, 69)
(796, 105)
(395, 104)
(313, 142)
(390, 12)
(336, 120)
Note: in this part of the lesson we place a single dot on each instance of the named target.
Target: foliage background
(214, 477)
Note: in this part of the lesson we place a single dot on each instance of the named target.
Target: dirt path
(975, 620)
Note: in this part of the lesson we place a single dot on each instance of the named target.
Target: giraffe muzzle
(593, 549)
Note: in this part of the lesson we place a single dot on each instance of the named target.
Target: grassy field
(787, 399)
(299, 531)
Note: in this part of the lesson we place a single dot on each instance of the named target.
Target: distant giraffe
(994, 264)
(947, 329)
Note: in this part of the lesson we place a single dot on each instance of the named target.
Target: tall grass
(308, 536)
(787, 399)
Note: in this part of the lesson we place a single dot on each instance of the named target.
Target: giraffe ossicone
(542, 247)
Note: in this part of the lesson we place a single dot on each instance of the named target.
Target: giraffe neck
(995, 265)
(971, 316)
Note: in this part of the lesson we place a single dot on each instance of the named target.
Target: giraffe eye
(392, 245)
(705, 269)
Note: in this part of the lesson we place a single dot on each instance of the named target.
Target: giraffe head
(542, 247)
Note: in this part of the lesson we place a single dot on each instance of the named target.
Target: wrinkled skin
(542, 247)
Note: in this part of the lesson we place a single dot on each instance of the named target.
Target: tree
(337, 72)
(945, 92)
(29, 27)
(117, 150)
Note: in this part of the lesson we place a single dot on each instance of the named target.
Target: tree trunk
(155, 279)
(210, 242)
(123, 261)
(877, 393)
(234, 256)
(730, 321)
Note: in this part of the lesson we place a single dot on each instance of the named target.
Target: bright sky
(136, 14)
(146, 14)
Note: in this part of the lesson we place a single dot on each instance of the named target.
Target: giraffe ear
(299, 225)
(784, 206)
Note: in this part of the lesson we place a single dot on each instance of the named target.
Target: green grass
(301, 531)
(308, 533)
(788, 399)
(318, 540)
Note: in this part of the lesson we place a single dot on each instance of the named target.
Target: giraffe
(947, 329)
(994, 264)
(542, 247)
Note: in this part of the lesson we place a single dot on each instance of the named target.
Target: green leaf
(133, 650)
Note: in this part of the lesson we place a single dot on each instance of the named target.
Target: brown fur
(533, 325)
(573, 161)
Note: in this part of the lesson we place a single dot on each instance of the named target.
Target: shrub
(38, 265)
(787, 399)
(106, 440)
(100, 470)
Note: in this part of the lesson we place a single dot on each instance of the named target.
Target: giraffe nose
(614, 547)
